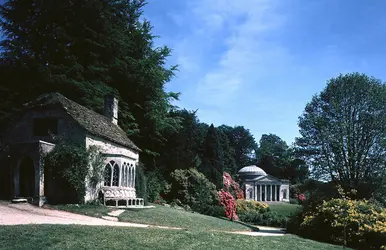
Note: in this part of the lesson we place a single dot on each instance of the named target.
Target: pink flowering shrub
(227, 196)
(301, 197)
(229, 202)
(232, 186)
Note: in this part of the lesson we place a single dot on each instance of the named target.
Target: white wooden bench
(121, 194)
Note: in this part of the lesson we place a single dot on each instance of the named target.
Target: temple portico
(260, 186)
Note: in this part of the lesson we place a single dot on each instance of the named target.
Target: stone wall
(111, 148)
(22, 130)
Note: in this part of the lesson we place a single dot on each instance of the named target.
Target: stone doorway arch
(26, 177)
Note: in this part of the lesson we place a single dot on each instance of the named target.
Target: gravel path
(24, 213)
(19, 214)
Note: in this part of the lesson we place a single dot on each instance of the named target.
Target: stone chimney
(111, 108)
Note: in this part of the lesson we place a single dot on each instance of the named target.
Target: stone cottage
(29, 138)
(260, 186)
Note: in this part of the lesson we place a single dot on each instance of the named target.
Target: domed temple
(260, 186)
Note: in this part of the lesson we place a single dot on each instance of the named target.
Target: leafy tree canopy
(278, 159)
(343, 131)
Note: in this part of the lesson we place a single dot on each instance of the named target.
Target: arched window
(115, 175)
(107, 175)
(285, 194)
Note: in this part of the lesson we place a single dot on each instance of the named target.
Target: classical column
(265, 192)
(122, 176)
(255, 191)
(127, 175)
(131, 177)
(134, 176)
(276, 198)
(260, 191)
(280, 194)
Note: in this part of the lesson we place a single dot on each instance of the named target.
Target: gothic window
(107, 175)
(115, 175)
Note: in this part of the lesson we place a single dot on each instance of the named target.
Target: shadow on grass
(262, 230)
(252, 227)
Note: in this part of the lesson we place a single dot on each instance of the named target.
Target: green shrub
(193, 189)
(359, 224)
(270, 218)
(259, 213)
(294, 201)
(156, 186)
(66, 169)
(96, 162)
(141, 183)
(243, 206)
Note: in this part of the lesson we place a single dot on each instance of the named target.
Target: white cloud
(241, 29)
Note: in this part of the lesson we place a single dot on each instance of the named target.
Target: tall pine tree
(212, 157)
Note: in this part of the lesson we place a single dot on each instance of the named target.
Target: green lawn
(87, 237)
(285, 209)
(162, 216)
(90, 210)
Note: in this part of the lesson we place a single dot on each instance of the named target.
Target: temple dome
(250, 171)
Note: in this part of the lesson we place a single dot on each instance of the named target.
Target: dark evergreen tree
(230, 165)
(182, 148)
(243, 143)
(212, 157)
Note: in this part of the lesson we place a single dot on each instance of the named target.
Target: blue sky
(257, 63)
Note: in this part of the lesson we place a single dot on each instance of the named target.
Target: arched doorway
(26, 178)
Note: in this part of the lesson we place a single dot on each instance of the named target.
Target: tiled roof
(90, 120)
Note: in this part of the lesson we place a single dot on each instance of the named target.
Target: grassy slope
(162, 216)
(90, 210)
(86, 237)
(285, 209)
